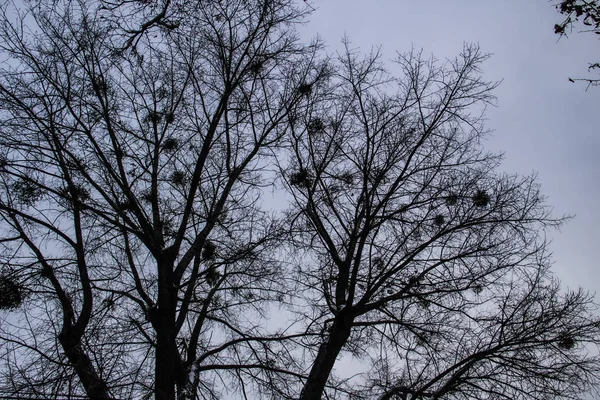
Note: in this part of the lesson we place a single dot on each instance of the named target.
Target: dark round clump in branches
(256, 67)
(109, 302)
(209, 251)
(301, 178)
(171, 144)
(99, 84)
(336, 125)
(452, 200)
(10, 293)
(347, 177)
(315, 126)
(26, 192)
(566, 342)
(146, 195)
(304, 89)
(439, 220)
(222, 217)
(178, 178)
(168, 228)
(477, 288)
(414, 282)
(154, 116)
(270, 363)
(422, 339)
(481, 198)
(169, 117)
(212, 276)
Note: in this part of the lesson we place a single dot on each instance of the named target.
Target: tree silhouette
(141, 257)
(422, 260)
(132, 164)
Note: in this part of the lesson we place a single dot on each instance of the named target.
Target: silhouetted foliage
(566, 342)
(171, 144)
(481, 198)
(315, 126)
(439, 220)
(178, 177)
(305, 89)
(10, 293)
(301, 178)
(212, 276)
(581, 15)
(210, 251)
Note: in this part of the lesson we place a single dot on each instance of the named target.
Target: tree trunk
(167, 364)
(328, 352)
(94, 386)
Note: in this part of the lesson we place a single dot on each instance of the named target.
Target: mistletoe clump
(171, 144)
(209, 251)
(178, 178)
(304, 89)
(27, 192)
(10, 293)
(315, 126)
(452, 199)
(481, 198)
(212, 276)
(154, 116)
(301, 178)
(566, 342)
(439, 220)
(347, 177)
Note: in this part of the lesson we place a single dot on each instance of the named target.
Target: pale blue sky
(542, 123)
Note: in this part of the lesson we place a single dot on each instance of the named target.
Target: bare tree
(139, 259)
(132, 164)
(420, 258)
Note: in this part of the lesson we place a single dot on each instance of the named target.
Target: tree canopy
(196, 204)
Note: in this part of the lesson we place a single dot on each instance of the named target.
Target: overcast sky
(542, 122)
